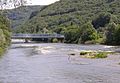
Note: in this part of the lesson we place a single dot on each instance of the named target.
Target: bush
(101, 55)
(55, 40)
(94, 54)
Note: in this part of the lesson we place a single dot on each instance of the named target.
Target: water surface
(50, 63)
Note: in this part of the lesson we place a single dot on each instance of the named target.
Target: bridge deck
(23, 36)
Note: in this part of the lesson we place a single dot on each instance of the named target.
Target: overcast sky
(42, 2)
(32, 2)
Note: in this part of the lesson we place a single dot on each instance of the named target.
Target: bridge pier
(61, 40)
(46, 40)
(26, 40)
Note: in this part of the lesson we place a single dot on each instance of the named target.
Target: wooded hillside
(81, 21)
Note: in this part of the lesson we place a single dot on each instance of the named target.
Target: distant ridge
(19, 15)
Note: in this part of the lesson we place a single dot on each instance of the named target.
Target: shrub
(55, 40)
(94, 54)
(101, 55)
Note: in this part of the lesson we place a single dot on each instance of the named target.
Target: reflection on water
(49, 63)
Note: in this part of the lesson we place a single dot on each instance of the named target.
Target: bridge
(39, 37)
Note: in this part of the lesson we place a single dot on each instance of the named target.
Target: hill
(80, 21)
(21, 14)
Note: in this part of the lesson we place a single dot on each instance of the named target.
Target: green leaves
(113, 34)
(102, 20)
(88, 33)
(4, 34)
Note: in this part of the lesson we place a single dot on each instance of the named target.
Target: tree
(101, 20)
(113, 34)
(88, 33)
(110, 33)
(72, 34)
(117, 35)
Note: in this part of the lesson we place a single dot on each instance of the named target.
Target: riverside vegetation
(4, 34)
(94, 54)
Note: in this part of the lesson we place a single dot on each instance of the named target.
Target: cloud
(42, 2)
(31, 2)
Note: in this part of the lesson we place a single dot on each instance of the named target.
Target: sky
(32, 2)
(42, 2)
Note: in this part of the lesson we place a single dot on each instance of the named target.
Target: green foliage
(113, 34)
(116, 35)
(1, 51)
(81, 21)
(102, 20)
(101, 55)
(88, 33)
(4, 34)
(55, 40)
(93, 54)
(110, 33)
(72, 34)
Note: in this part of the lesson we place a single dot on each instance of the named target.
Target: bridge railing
(38, 35)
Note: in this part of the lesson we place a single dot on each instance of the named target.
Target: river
(51, 63)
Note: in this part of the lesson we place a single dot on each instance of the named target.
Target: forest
(81, 21)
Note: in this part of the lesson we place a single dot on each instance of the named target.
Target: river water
(51, 63)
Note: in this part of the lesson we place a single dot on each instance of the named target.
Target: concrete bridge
(39, 37)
